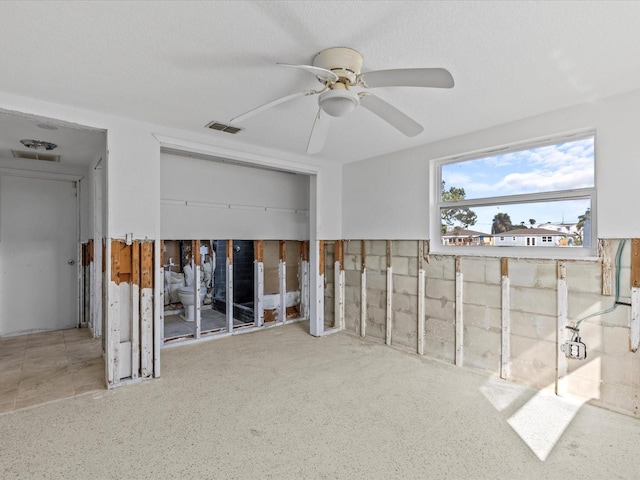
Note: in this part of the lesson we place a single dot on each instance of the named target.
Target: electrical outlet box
(575, 349)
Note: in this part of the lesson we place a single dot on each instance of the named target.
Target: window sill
(538, 253)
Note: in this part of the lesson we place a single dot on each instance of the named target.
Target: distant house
(532, 237)
(460, 236)
(566, 228)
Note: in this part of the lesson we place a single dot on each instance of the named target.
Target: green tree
(455, 216)
(501, 223)
(532, 222)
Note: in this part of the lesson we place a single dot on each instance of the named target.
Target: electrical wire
(616, 302)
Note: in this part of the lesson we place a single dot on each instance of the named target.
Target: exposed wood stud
(146, 309)
(635, 262)
(258, 250)
(604, 252)
(634, 324)
(459, 310)
(339, 284)
(282, 281)
(230, 251)
(197, 312)
(363, 289)
(146, 265)
(561, 333)
(504, 267)
(258, 283)
(195, 251)
(135, 309)
(421, 298)
(321, 258)
(229, 296)
(505, 360)
(389, 312)
(339, 255)
(115, 261)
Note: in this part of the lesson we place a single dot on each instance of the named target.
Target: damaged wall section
(514, 333)
(129, 337)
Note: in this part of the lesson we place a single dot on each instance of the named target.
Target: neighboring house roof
(528, 232)
(465, 233)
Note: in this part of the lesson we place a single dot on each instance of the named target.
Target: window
(525, 190)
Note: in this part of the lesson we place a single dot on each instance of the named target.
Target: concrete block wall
(352, 274)
(609, 377)
(404, 264)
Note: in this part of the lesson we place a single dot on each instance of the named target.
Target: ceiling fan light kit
(338, 69)
(338, 102)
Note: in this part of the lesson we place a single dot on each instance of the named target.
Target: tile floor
(40, 367)
(211, 322)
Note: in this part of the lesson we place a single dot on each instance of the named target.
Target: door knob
(71, 262)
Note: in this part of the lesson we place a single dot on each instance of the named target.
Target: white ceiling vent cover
(222, 127)
(46, 157)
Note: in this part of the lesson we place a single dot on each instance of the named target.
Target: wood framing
(339, 284)
(146, 310)
(304, 275)
(389, 312)
(634, 322)
(363, 288)
(258, 283)
(459, 310)
(130, 343)
(229, 289)
(282, 281)
(561, 333)
(135, 309)
(505, 357)
(197, 308)
(421, 298)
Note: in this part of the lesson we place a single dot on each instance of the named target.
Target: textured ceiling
(183, 64)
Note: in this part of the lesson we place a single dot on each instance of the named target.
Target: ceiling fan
(339, 71)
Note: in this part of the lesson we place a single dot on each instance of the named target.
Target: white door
(38, 255)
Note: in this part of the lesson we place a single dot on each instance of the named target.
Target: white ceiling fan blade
(317, 71)
(391, 115)
(408, 77)
(319, 133)
(271, 104)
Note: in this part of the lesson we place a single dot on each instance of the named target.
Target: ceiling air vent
(222, 127)
(47, 157)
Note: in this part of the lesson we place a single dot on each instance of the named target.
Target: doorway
(38, 254)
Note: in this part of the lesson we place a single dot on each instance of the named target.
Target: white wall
(387, 197)
(133, 166)
(204, 198)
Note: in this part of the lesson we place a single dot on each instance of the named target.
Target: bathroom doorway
(180, 260)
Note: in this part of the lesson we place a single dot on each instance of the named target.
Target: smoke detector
(38, 144)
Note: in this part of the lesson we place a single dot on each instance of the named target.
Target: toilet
(187, 299)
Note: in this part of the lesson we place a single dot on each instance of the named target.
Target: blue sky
(564, 166)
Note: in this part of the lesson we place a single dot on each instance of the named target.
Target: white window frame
(553, 252)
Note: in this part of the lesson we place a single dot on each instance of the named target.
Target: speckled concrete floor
(283, 405)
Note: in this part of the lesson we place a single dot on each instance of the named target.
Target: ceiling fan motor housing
(345, 62)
